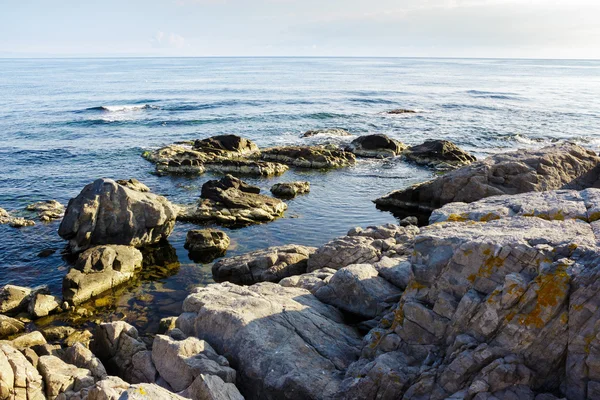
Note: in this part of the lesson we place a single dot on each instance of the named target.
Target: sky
(378, 28)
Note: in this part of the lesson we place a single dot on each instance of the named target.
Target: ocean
(67, 122)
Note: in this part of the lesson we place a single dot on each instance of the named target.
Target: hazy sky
(438, 28)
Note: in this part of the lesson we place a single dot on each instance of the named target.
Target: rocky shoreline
(496, 297)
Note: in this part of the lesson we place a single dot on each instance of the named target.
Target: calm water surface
(64, 123)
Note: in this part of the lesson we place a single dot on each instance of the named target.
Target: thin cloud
(172, 40)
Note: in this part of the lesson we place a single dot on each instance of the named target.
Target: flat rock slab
(283, 341)
(318, 157)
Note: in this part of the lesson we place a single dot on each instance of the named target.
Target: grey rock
(81, 357)
(60, 377)
(311, 281)
(30, 339)
(439, 154)
(224, 144)
(134, 184)
(15, 222)
(99, 269)
(211, 387)
(204, 245)
(145, 391)
(318, 157)
(290, 189)
(19, 379)
(326, 132)
(271, 265)
(14, 299)
(376, 146)
(108, 213)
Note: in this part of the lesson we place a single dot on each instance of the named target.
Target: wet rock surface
(204, 245)
(290, 189)
(318, 157)
(326, 132)
(47, 210)
(15, 222)
(376, 146)
(108, 213)
(439, 154)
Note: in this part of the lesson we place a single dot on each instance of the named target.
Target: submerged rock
(283, 341)
(376, 146)
(318, 157)
(290, 189)
(15, 222)
(99, 269)
(230, 201)
(326, 132)
(204, 245)
(565, 166)
(108, 213)
(271, 265)
(439, 154)
(47, 210)
(398, 111)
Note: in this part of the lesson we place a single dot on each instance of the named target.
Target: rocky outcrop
(399, 111)
(134, 184)
(14, 299)
(246, 167)
(318, 157)
(108, 213)
(99, 269)
(42, 304)
(10, 326)
(226, 145)
(269, 265)
(311, 281)
(439, 154)
(230, 201)
(18, 378)
(326, 132)
(177, 159)
(60, 377)
(47, 210)
(565, 166)
(290, 189)
(204, 245)
(376, 146)
(15, 222)
(283, 341)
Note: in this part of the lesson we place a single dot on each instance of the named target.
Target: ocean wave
(371, 101)
(122, 108)
(494, 95)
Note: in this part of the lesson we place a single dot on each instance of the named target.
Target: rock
(283, 341)
(311, 281)
(230, 201)
(47, 210)
(99, 269)
(108, 213)
(61, 377)
(166, 324)
(398, 111)
(412, 220)
(83, 336)
(177, 159)
(318, 157)
(10, 326)
(18, 378)
(134, 184)
(30, 339)
(246, 167)
(360, 290)
(181, 362)
(81, 357)
(271, 265)
(15, 222)
(212, 387)
(145, 391)
(397, 271)
(377, 146)
(290, 189)
(565, 166)
(326, 132)
(204, 245)
(13, 299)
(42, 304)
(57, 333)
(225, 144)
(439, 154)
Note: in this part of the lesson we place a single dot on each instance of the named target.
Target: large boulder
(13, 299)
(318, 157)
(60, 377)
(290, 189)
(269, 265)
(376, 146)
(108, 213)
(230, 201)
(10, 326)
(42, 304)
(439, 154)
(18, 378)
(564, 166)
(283, 341)
(502, 301)
(204, 245)
(99, 269)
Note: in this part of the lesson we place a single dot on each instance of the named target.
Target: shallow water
(64, 123)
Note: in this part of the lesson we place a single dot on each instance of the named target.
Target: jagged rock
(19, 379)
(10, 326)
(30, 339)
(60, 377)
(134, 184)
(397, 271)
(363, 247)
(565, 166)
(230, 201)
(439, 154)
(225, 145)
(212, 387)
(179, 363)
(47, 210)
(290, 189)
(79, 336)
(118, 345)
(310, 281)
(360, 290)
(326, 132)
(167, 324)
(14, 299)
(99, 269)
(398, 111)
(108, 213)
(376, 146)
(318, 157)
(15, 222)
(57, 333)
(178, 159)
(145, 391)
(271, 265)
(204, 245)
(42, 304)
(283, 341)
(82, 357)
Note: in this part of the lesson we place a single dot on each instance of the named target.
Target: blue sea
(66, 122)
